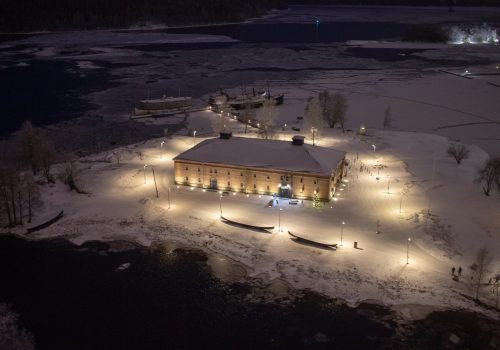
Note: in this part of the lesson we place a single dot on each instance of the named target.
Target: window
(268, 177)
(210, 171)
(281, 178)
(229, 173)
(302, 180)
(315, 182)
(215, 171)
(198, 169)
(254, 175)
(187, 179)
(199, 180)
(241, 174)
(254, 186)
(268, 187)
(241, 185)
(287, 178)
(187, 168)
(229, 183)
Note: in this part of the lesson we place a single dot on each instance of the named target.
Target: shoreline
(272, 290)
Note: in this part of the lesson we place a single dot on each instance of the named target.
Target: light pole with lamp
(313, 129)
(194, 137)
(408, 251)
(220, 205)
(161, 149)
(154, 178)
(342, 233)
(145, 166)
(400, 203)
(169, 197)
(279, 219)
(388, 184)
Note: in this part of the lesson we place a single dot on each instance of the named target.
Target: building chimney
(298, 140)
(225, 135)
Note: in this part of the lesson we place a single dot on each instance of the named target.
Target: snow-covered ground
(432, 101)
(121, 206)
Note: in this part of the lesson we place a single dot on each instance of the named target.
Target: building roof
(267, 154)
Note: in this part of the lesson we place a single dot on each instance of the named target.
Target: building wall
(254, 180)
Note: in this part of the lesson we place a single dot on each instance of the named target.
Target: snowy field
(121, 206)
(432, 100)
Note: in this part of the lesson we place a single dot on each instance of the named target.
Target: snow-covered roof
(267, 154)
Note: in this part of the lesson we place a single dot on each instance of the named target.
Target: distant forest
(35, 15)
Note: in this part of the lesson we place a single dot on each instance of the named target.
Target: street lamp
(388, 184)
(161, 149)
(400, 203)
(342, 233)
(313, 129)
(279, 219)
(145, 165)
(374, 147)
(194, 137)
(168, 197)
(408, 251)
(220, 205)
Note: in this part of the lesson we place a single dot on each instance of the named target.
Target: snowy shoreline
(120, 206)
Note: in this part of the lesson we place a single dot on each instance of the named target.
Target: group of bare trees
(481, 268)
(325, 109)
(26, 161)
(488, 175)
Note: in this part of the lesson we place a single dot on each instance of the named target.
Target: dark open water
(71, 297)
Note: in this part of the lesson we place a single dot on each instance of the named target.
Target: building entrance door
(285, 192)
(213, 184)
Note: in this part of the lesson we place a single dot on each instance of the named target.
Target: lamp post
(313, 129)
(220, 205)
(194, 137)
(342, 233)
(154, 178)
(145, 166)
(388, 184)
(161, 149)
(408, 251)
(279, 219)
(400, 203)
(168, 197)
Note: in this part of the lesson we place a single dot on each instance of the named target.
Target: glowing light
(192, 188)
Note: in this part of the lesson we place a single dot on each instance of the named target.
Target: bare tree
(219, 122)
(480, 267)
(246, 116)
(387, 118)
(458, 151)
(326, 106)
(28, 142)
(45, 158)
(266, 119)
(313, 116)
(339, 109)
(31, 193)
(69, 173)
(489, 175)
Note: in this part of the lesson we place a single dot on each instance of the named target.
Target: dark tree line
(25, 162)
(29, 15)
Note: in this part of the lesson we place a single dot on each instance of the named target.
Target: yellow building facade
(227, 165)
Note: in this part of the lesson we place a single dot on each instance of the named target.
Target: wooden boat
(311, 242)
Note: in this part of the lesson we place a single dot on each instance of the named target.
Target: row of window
(286, 178)
(255, 186)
